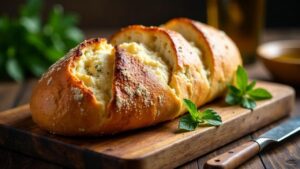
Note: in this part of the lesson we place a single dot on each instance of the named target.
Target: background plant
(28, 46)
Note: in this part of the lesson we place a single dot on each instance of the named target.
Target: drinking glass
(242, 20)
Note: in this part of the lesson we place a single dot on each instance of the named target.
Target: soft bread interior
(95, 69)
(95, 66)
(152, 60)
(181, 78)
(150, 41)
(220, 55)
(153, 48)
(188, 32)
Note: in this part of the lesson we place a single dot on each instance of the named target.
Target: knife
(235, 157)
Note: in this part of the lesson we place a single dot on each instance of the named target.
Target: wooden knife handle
(234, 157)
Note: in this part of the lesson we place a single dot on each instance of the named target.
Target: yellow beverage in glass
(242, 20)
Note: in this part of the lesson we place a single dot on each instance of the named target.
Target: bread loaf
(220, 55)
(137, 80)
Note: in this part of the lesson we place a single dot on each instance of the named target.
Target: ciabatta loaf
(137, 80)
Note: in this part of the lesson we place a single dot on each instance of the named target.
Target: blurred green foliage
(28, 46)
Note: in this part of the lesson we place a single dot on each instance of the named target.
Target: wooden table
(284, 155)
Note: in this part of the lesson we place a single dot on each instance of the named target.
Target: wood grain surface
(154, 147)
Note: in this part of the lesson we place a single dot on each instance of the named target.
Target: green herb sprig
(245, 94)
(194, 118)
(29, 46)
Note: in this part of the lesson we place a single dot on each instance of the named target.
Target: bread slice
(100, 89)
(71, 98)
(140, 97)
(187, 76)
(220, 55)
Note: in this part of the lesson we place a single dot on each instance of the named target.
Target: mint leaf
(211, 117)
(186, 122)
(192, 108)
(232, 99)
(248, 103)
(259, 94)
(241, 78)
(190, 121)
(234, 90)
(245, 94)
(251, 85)
(213, 122)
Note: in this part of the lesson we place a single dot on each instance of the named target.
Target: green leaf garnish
(28, 45)
(245, 94)
(259, 94)
(248, 103)
(210, 117)
(192, 108)
(186, 122)
(251, 85)
(242, 78)
(232, 99)
(190, 121)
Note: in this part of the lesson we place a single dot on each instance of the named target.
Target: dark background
(116, 13)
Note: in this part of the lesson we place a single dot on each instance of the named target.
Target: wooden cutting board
(160, 146)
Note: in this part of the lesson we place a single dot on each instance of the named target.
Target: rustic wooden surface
(138, 149)
(283, 155)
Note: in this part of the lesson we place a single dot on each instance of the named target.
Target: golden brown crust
(144, 102)
(56, 108)
(220, 54)
(61, 103)
(188, 76)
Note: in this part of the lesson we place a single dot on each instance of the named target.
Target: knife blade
(240, 154)
(279, 133)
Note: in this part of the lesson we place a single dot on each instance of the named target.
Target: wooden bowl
(282, 59)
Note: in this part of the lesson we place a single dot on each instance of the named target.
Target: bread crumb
(160, 99)
(157, 114)
(143, 92)
(129, 91)
(120, 102)
(81, 110)
(126, 74)
(77, 93)
(124, 103)
(58, 68)
(49, 81)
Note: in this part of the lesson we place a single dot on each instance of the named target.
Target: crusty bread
(66, 101)
(220, 54)
(138, 80)
(187, 76)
